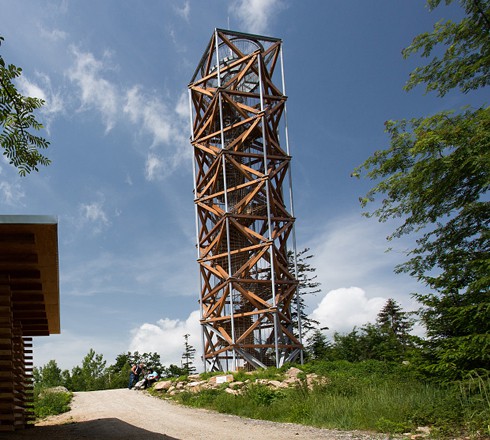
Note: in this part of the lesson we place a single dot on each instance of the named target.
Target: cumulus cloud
(255, 15)
(351, 251)
(166, 337)
(342, 309)
(356, 272)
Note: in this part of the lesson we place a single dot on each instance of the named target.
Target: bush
(263, 395)
(48, 402)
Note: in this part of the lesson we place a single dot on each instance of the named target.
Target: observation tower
(243, 204)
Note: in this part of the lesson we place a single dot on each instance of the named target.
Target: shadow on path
(106, 429)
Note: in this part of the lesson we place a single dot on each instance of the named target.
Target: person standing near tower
(134, 375)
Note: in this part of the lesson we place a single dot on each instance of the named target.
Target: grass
(372, 396)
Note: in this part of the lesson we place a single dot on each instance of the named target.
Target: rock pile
(195, 384)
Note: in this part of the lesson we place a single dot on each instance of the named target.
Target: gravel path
(126, 414)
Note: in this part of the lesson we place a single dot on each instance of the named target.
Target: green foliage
(317, 346)
(466, 60)
(50, 402)
(93, 374)
(17, 121)
(308, 285)
(48, 376)
(263, 395)
(386, 425)
(370, 395)
(151, 360)
(435, 176)
(388, 339)
(188, 357)
(174, 371)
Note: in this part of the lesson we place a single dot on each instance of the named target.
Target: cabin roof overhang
(29, 266)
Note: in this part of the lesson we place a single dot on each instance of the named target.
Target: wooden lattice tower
(244, 230)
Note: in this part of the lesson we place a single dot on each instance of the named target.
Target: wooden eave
(29, 263)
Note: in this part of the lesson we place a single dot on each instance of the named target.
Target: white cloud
(154, 166)
(53, 101)
(353, 267)
(184, 11)
(53, 35)
(11, 193)
(93, 214)
(96, 91)
(255, 15)
(351, 251)
(182, 107)
(342, 309)
(166, 338)
(169, 146)
(151, 114)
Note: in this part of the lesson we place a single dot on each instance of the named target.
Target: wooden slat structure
(29, 306)
(244, 229)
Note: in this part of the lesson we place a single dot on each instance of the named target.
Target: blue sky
(114, 76)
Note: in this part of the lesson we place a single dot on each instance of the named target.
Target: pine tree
(188, 356)
(307, 286)
(392, 320)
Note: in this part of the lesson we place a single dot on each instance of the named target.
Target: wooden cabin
(29, 306)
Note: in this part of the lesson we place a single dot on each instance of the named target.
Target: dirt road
(133, 415)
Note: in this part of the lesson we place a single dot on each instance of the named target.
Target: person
(134, 375)
(150, 378)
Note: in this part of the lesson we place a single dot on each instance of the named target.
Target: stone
(293, 372)
(232, 391)
(274, 383)
(217, 380)
(163, 385)
(235, 385)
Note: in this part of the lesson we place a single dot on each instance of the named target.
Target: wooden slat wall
(7, 418)
(15, 367)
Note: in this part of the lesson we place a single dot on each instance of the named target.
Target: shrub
(48, 402)
(262, 394)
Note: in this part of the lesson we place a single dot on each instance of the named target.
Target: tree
(173, 371)
(91, 375)
(118, 373)
(317, 345)
(151, 360)
(48, 375)
(188, 356)
(388, 339)
(435, 176)
(307, 286)
(392, 320)
(17, 120)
